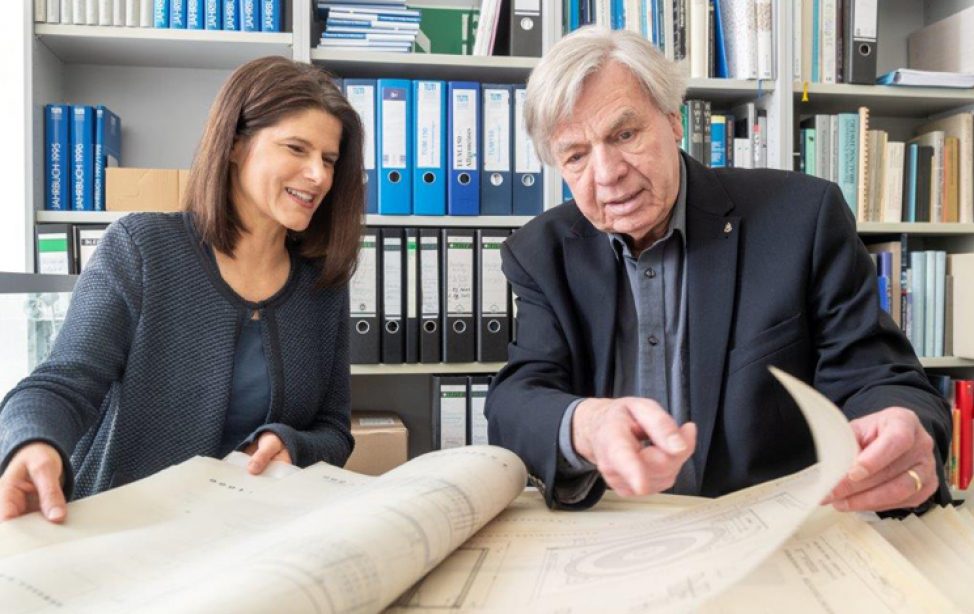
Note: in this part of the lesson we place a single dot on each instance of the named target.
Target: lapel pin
(728, 228)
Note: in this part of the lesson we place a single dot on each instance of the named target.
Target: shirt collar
(678, 218)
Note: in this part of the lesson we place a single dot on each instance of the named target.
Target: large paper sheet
(205, 536)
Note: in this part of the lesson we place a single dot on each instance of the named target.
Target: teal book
(849, 158)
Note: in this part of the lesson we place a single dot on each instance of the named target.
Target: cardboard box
(141, 189)
(181, 192)
(381, 441)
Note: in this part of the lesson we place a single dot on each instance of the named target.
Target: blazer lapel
(592, 272)
(712, 243)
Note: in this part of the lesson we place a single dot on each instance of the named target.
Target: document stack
(382, 26)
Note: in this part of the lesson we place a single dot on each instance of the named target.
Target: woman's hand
(32, 482)
(267, 448)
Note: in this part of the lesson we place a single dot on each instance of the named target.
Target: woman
(222, 327)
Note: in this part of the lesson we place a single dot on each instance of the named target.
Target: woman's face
(283, 172)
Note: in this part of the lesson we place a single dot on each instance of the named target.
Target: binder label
(428, 125)
(459, 299)
(394, 127)
(493, 299)
(865, 16)
(411, 272)
(52, 252)
(464, 136)
(525, 158)
(497, 137)
(429, 255)
(362, 99)
(361, 289)
(478, 422)
(391, 278)
(453, 416)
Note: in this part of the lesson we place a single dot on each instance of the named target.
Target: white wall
(935, 10)
(14, 29)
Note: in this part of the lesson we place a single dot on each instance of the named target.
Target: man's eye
(626, 135)
(295, 148)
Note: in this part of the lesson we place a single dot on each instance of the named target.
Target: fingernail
(842, 506)
(858, 473)
(675, 443)
(55, 513)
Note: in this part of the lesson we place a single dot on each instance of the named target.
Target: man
(651, 305)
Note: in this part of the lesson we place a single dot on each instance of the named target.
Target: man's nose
(609, 165)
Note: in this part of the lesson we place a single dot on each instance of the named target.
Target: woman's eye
(295, 148)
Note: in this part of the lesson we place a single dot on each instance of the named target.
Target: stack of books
(379, 26)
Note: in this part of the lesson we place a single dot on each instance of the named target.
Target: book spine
(105, 11)
(119, 13)
(160, 13)
(213, 19)
(65, 11)
(145, 13)
(177, 14)
(107, 150)
(249, 15)
(91, 12)
(76, 14)
(57, 137)
(848, 153)
(195, 15)
(270, 15)
(82, 158)
(231, 15)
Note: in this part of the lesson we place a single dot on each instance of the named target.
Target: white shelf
(427, 368)
(78, 217)
(728, 92)
(946, 362)
(373, 64)
(882, 100)
(918, 228)
(163, 47)
(436, 221)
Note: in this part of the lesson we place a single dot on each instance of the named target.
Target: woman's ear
(238, 150)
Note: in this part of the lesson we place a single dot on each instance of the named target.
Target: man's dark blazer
(776, 276)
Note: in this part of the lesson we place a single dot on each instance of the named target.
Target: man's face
(619, 155)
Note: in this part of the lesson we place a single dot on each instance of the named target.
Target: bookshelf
(107, 45)
(161, 83)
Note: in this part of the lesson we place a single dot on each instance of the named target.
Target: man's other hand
(635, 444)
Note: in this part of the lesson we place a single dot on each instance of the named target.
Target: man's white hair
(557, 80)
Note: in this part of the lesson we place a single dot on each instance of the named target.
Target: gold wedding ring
(916, 479)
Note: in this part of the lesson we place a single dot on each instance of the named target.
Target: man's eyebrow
(626, 117)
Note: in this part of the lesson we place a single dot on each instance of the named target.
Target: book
(447, 30)
(961, 127)
(891, 198)
(57, 156)
(926, 78)
(107, 151)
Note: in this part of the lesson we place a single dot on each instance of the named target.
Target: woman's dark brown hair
(259, 94)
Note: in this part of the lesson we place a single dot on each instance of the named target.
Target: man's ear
(676, 125)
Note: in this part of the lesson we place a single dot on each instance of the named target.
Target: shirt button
(653, 340)
(650, 273)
